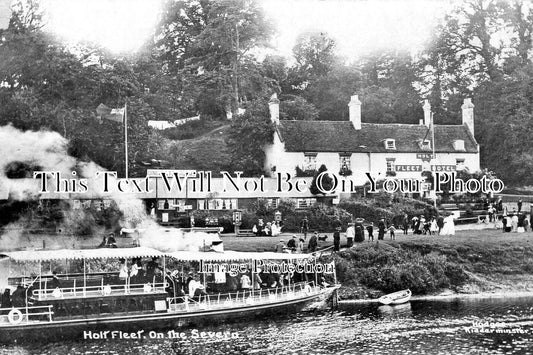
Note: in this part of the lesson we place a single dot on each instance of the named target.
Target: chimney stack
(355, 111)
(273, 106)
(468, 114)
(427, 113)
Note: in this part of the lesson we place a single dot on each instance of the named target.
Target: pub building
(353, 148)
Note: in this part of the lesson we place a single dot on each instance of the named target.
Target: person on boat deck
(245, 282)
(111, 241)
(257, 280)
(6, 299)
(55, 283)
(19, 297)
(323, 282)
(291, 244)
(188, 281)
(124, 271)
(196, 288)
(151, 267)
(135, 267)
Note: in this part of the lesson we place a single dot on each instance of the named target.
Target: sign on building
(408, 168)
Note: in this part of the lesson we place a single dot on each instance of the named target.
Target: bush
(304, 173)
(390, 269)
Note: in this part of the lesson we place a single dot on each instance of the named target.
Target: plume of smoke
(48, 150)
(45, 149)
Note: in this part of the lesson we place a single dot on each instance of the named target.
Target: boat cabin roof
(78, 254)
(141, 252)
(234, 256)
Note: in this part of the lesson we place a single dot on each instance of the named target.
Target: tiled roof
(340, 136)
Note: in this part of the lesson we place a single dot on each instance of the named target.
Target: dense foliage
(389, 269)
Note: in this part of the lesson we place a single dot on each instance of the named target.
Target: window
(390, 164)
(272, 202)
(218, 204)
(425, 144)
(390, 144)
(459, 144)
(309, 161)
(344, 161)
(304, 202)
(460, 163)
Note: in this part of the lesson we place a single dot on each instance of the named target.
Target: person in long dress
(449, 226)
(434, 228)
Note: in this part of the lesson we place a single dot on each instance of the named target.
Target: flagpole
(126, 137)
(433, 157)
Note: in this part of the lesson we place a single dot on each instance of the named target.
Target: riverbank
(469, 263)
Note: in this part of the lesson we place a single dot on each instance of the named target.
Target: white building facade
(353, 148)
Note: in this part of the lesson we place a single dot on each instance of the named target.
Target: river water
(459, 326)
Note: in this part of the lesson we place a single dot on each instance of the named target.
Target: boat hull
(396, 298)
(149, 324)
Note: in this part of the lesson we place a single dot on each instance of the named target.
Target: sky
(359, 26)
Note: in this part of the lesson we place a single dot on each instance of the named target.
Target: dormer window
(390, 143)
(459, 144)
(425, 144)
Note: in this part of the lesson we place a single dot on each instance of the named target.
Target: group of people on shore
(270, 229)
(297, 245)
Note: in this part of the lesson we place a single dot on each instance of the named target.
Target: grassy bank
(470, 262)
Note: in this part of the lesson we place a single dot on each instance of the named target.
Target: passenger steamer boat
(88, 303)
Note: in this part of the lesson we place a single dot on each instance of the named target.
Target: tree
(248, 134)
(505, 126)
(297, 108)
(326, 181)
(314, 53)
(208, 44)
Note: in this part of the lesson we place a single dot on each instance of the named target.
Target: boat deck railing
(101, 290)
(242, 298)
(25, 315)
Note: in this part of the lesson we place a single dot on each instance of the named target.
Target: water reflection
(418, 327)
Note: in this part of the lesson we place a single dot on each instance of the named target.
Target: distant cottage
(355, 148)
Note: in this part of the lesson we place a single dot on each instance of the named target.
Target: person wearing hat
(291, 244)
(313, 242)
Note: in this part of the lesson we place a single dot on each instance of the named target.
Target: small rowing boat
(396, 297)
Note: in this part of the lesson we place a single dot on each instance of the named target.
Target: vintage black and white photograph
(266, 177)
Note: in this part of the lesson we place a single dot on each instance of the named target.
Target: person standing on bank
(337, 239)
(519, 204)
(304, 228)
(440, 223)
(392, 229)
(405, 224)
(370, 230)
(381, 229)
(313, 243)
